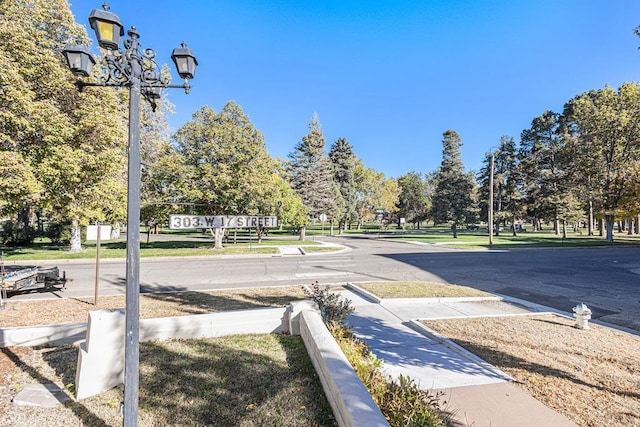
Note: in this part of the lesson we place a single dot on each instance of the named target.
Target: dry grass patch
(48, 312)
(420, 290)
(591, 376)
(247, 380)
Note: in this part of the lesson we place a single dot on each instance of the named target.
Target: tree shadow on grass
(63, 361)
(219, 382)
(505, 360)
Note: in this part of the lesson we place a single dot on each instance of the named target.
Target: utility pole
(490, 225)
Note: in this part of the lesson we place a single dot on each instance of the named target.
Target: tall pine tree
(309, 171)
(343, 161)
(452, 201)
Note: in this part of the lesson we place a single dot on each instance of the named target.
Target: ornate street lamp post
(129, 67)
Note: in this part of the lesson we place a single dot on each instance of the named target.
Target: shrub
(13, 233)
(333, 308)
(59, 233)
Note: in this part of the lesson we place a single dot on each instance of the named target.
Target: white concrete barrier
(350, 401)
(101, 358)
(53, 335)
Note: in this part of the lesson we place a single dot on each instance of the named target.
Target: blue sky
(389, 76)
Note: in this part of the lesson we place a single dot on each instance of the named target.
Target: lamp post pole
(138, 71)
(132, 344)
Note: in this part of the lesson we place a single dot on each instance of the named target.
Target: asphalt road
(606, 279)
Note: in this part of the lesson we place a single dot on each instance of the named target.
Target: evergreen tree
(309, 171)
(540, 148)
(507, 199)
(343, 162)
(452, 201)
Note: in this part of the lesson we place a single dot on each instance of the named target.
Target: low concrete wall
(351, 402)
(52, 335)
(101, 357)
(256, 321)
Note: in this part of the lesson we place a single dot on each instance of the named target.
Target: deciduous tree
(606, 126)
(414, 200)
(70, 142)
(227, 169)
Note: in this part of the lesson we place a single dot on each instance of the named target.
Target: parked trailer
(24, 278)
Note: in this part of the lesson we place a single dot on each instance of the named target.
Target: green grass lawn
(192, 245)
(443, 235)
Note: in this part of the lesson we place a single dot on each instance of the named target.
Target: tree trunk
(76, 242)
(115, 231)
(303, 232)
(631, 227)
(601, 227)
(610, 220)
(24, 216)
(590, 232)
(40, 223)
(564, 228)
(258, 235)
(218, 234)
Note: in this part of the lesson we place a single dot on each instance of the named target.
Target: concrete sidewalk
(477, 393)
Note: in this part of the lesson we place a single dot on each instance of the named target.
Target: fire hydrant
(582, 313)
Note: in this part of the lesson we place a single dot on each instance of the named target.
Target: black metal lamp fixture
(119, 66)
(135, 69)
(79, 59)
(107, 27)
(185, 62)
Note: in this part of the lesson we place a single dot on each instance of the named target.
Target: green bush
(13, 233)
(333, 308)
(59, 233)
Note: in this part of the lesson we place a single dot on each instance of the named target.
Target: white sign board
(92, 232)
(180, 222)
